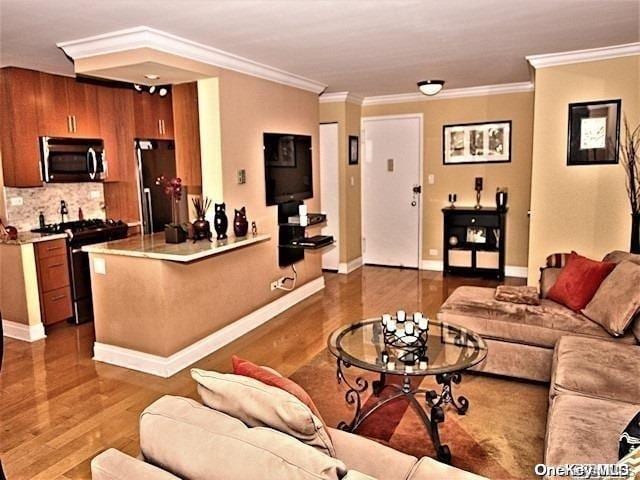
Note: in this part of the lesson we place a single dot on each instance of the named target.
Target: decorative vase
(635, 233)
(220, 221)
(240, 223)
(174, 234)
(201, 229)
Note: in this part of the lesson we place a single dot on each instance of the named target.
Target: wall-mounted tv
(287, 167)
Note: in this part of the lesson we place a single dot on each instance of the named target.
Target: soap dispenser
(41, 221)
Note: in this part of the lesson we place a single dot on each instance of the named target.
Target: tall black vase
(635, 233)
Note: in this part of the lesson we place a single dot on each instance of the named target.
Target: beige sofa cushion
(617, 301)
(541, 325)
(372, 458)
(260, 405)
(618, 256)
(596, 368)
(585, 430)
(195, 442)
(114, 465)
(430, 469)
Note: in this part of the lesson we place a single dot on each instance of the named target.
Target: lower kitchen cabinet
(54, 282)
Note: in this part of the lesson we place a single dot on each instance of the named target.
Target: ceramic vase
(220, 221)
(240, 223)
(201, 229)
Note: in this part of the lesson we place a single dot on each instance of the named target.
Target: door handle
(69, 127)
(73, 122)
(160, 127)
(147, 194)
(91, 157)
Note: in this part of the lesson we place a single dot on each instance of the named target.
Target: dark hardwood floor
(59, 408)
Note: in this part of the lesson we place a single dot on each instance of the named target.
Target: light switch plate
(433, 252)
(242, 176)
(431, 179)
(16, 201)
(352, 181)
(99, 266)
(390, 164)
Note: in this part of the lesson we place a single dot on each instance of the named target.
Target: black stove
(81, 233)
(87, 232)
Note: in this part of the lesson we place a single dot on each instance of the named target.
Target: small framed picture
(353, 149)
(594, 133)
(465, 143)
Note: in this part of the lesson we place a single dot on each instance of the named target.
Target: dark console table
(474, 241)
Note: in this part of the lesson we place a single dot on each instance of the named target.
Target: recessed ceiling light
(430, 87)
(152, 76)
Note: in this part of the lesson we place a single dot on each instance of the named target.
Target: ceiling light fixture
(137, 87)
(152, 76)
(430, 87)
(161, 90)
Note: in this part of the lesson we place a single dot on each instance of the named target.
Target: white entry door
(330, 192)
(391, 208)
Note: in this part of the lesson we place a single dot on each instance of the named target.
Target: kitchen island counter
(155, 247)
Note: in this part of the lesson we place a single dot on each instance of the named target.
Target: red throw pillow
(248, 369)
(578, 281)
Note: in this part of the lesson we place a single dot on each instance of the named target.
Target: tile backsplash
(25, 204)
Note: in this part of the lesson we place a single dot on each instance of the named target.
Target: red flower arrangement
(173, 189)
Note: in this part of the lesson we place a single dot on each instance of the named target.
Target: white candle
(401, 315)
(423, 365)
(408, 328)
(423, 324)
(408, 369)
(391, 366)
(385, 357)
(417, 317)
(391, 325)
(385, 318)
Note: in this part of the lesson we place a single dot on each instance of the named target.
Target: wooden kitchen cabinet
(187, 133)
(154, 116)
(117, 129)
(67, 108)
(54, 283)
(19, 127)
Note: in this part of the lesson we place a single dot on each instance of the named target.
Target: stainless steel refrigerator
(156, 158)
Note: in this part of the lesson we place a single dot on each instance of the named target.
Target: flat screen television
(287, 167)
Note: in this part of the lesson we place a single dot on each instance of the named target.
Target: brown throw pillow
(517, 294)
(617, 301)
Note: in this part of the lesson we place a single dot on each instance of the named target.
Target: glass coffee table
(438, 348)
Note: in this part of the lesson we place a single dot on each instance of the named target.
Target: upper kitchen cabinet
(117, 129)
(187, 133)
(66, 107)
(19, 127)
(154, 116)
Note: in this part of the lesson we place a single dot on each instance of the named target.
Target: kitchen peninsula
(160, 307)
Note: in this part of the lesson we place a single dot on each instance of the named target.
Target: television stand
(292, 241)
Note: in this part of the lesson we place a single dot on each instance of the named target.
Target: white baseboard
(168, 366)
(513, 271)
(433, 265)
(509, 270)
(20, 331)
(348, 267)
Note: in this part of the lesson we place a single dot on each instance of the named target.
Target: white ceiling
(367, 47)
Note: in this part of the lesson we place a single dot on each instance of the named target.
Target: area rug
(500, 437)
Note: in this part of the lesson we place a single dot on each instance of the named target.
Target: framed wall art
(488, 142)
(594, 133)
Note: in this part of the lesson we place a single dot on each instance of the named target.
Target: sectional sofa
(594, 377)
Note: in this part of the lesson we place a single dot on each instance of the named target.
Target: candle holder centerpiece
(406, 336)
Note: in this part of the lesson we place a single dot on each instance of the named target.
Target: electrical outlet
(15, 201)
(93, 194)
(431, 179)
(99, 266)
(433, 252)
(274, 285)
(242, 176)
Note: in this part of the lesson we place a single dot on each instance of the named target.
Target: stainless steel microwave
(72, 159)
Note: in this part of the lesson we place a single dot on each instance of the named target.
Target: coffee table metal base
(431, 411)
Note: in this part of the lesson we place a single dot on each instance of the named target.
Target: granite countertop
(31, 237)
(155, 247)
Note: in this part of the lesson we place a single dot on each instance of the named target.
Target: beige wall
(582, 208)
(210, 294)
(517, 107)
(347, 115)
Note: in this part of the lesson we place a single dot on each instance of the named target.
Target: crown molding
(452, 93)
(580, 56)
(341, 97)
(146, 37)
